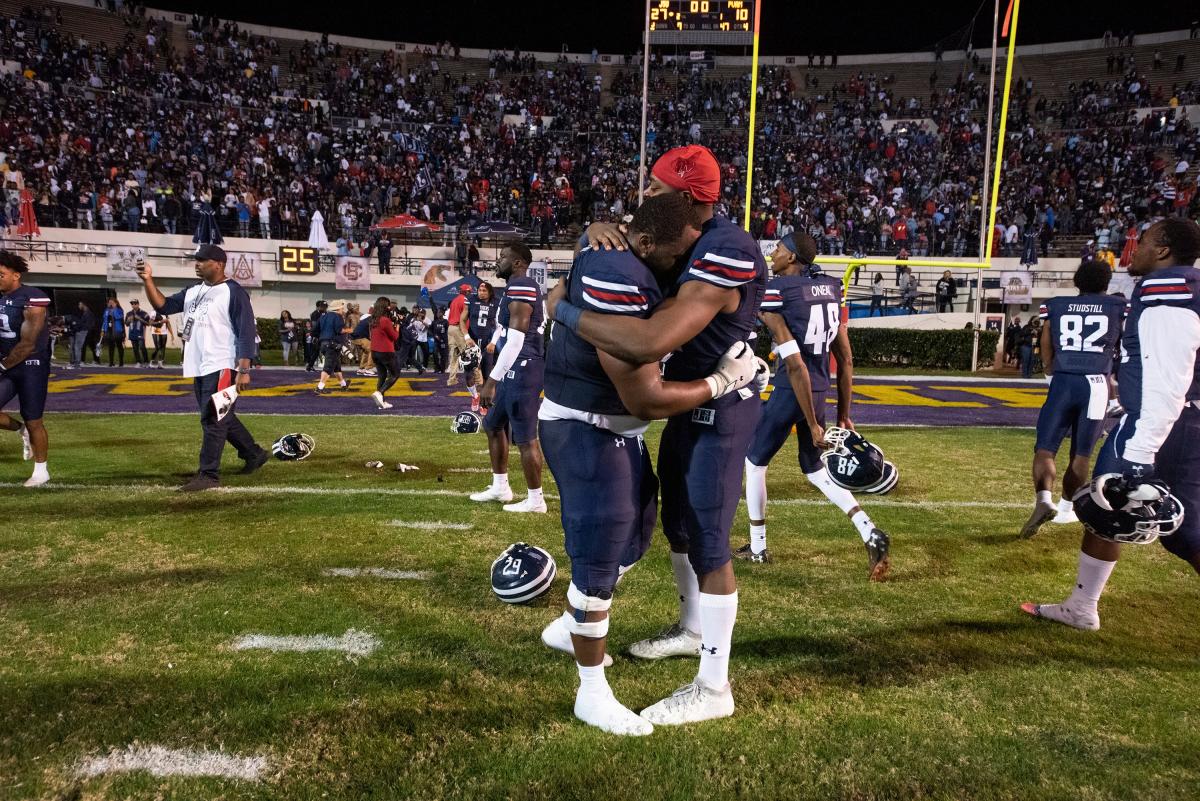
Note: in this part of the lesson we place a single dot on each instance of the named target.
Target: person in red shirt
(383, 350)
(458, 341)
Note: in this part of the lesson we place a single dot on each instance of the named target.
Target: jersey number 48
(823, 323)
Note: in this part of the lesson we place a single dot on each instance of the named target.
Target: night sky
(789, 27)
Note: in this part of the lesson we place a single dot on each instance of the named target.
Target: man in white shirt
(218, 328)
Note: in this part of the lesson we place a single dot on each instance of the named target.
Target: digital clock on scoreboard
(702, 15)
(299, 261)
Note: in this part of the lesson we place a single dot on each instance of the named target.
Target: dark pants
(386, 369)
(119, 347)
(139, 349)
(385, 265)
(311, 351)
(160, 347)
(441, 355)
(1026, 361)
(876, 305)
(945, 305)
(217, 432)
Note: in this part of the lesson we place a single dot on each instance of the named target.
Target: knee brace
(839, 495)
(582, 604)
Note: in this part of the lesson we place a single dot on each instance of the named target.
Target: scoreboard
(712, 16)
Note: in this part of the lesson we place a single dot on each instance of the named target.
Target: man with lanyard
(512, 392)
(24, 362)
(1160, 391)
(801, 309)
(136, 321)
(331, 334)
(715, 304)
(1081, 336)
(454, 313)
(218, 330)
(591, 423)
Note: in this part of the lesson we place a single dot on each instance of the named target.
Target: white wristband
(789, 348)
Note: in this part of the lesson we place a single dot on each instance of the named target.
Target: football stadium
(719, 399)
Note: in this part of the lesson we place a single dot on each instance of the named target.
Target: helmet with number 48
(856, 464)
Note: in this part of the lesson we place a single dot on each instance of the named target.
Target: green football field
(121, 602)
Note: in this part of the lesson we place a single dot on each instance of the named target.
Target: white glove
(762, 375)
(734, 371)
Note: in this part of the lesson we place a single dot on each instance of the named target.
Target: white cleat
(527, 505)
(492, 494)
(37, 481)
(1042, 513)
(1063, 518)
(377, 396)
(1062, 613)
(691, 703)
(671, 641)
(608, 714)
(26, 445)
(558, 636)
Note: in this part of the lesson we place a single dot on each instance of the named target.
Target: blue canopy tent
(442, 297)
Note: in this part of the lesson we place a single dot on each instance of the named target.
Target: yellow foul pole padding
(753, 110)
(1008, 69)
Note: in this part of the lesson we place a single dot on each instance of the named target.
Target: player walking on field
(1159, 436)
(712, 306)
(24, 362)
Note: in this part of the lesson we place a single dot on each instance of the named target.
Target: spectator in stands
(946, 290)
(877, 295)
(384, 253)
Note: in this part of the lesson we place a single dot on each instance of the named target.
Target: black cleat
(1042, 513)
(878, 559)
(254, 462)
(199, 483)
(747, 554)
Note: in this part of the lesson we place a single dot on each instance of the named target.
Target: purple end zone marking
(280, 391)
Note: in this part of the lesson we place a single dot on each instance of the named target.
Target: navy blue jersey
(12, 317)
(728, 257)
(524, 290)
(606, 282)
(1174, 287)
(1085, 331)
(810, 304)
(481, 319)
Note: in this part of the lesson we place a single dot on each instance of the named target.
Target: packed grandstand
(126, 121)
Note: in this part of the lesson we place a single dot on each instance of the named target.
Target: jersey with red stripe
(1085, 331)
(1170, 288)
(728, 257)
(810, 304)
(606, 282)
(523, 289)
(12, 317)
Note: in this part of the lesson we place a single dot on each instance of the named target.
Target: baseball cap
(207, 252)
(464, 287)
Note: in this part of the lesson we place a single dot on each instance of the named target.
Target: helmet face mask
(856, 464)
(469, 360)
(293, 447)
(1113, 509)
(523, 573)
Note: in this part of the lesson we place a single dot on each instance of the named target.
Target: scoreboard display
(708, 16)
(299, 261)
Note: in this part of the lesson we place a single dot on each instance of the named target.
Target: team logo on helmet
(466, 423)
(522, 573)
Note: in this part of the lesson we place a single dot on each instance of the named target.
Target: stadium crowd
(138, 136)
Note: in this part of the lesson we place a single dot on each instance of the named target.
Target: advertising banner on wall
(120, 262)
(245, 268)
(352, 272)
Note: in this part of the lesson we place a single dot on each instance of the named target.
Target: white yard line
(430, 525)
(159, 761)
(353, 642)
(376, 572)
(869, 500)
(469, 470)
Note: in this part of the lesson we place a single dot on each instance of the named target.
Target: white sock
(592, 681)
(758, 538)
(320, 385)
(1065, 507)
(535, 494)
(1089, 582)
(40, 470)
(717, 616)
(689, 591)
(840, 496)
(343, 383)
(756, 491)
(500, 481)
(863, 523)
(1045, 496)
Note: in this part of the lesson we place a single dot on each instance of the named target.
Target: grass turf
(118, 602)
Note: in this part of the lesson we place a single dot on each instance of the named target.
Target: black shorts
(331, 356)
(29, 383)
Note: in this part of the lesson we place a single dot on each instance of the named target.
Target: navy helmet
(1119, 510)
(522, 573)
(293, 447)
(856, 464)
(466, 422)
